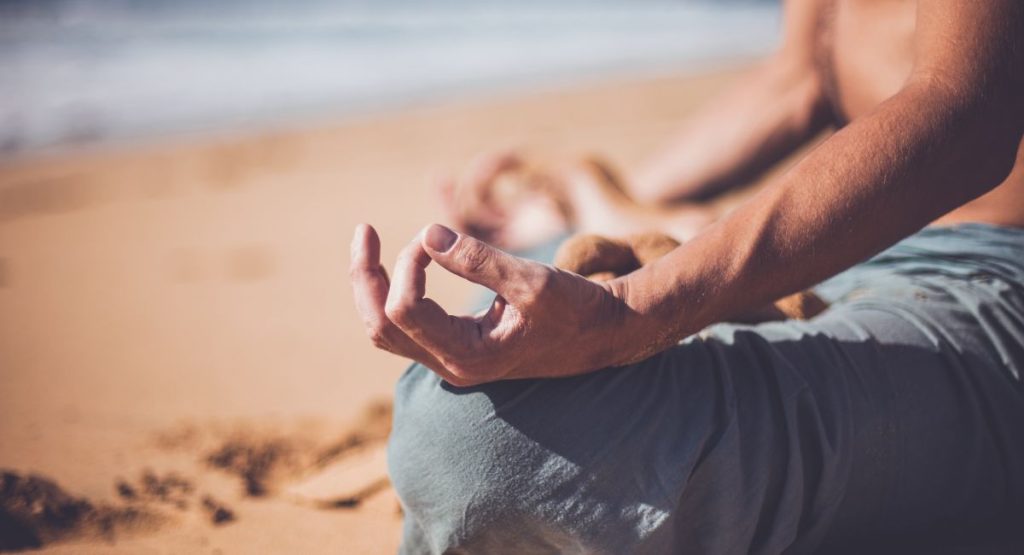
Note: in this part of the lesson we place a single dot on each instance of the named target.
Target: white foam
(88, 71)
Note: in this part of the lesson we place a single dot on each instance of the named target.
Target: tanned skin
(930, 97)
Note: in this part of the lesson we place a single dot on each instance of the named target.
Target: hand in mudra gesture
(544, 322)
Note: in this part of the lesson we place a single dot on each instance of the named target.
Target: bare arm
(742, 133)
(948, 136)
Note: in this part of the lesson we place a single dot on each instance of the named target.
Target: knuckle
(400, 311)
(378, 333)
(379, 339)
(474, 257)
(405, 258)
(540, 286)
(356, 272)
(548, 279)
(396, 311)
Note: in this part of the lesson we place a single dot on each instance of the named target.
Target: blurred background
(78, 71)
(178, 185)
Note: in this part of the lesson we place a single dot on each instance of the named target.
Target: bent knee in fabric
(896, 406)
(608, 460)
(595, 461)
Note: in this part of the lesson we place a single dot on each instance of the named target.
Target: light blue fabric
(896, 416)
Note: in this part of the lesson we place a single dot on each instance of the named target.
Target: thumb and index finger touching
(450, 338)
(423, 319)
(479, 262)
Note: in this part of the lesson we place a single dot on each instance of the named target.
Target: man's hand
(469, 200)
(544, 322)
(505, 201)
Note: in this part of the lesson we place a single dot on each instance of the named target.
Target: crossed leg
(887, 418)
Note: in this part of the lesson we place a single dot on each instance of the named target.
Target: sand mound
(265, 459)
(170, 489)
(314, 469)
(345, 483)
(35, 511)
(373, 426)
(217, 512)
(174, 490)
(260, 462)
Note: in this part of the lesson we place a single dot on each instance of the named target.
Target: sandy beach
(178, 345)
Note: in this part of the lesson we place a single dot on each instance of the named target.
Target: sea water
(85, 71)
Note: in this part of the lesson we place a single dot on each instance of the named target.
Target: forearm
(737, 136)
(922, 153)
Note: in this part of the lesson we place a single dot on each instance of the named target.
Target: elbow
(996, 166)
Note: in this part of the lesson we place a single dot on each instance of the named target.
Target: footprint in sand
(35, 511)
(176, 491)
(338, 473)
(345, 483)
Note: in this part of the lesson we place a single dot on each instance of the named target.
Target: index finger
(370, 286)
(369, 280)
(447, 337)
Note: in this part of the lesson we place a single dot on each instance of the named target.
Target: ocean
(78, 72)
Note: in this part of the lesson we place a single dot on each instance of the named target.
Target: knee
(470, 465)
(435, 433)
(454, 465)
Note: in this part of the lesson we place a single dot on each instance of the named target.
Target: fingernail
(440, 238)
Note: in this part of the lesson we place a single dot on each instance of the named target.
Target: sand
(177, 336)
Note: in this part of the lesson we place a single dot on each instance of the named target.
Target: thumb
(477, 261)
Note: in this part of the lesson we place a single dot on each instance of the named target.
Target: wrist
(642, 328)
(661, 306)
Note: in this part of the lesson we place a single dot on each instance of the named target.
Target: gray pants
(897, 416)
